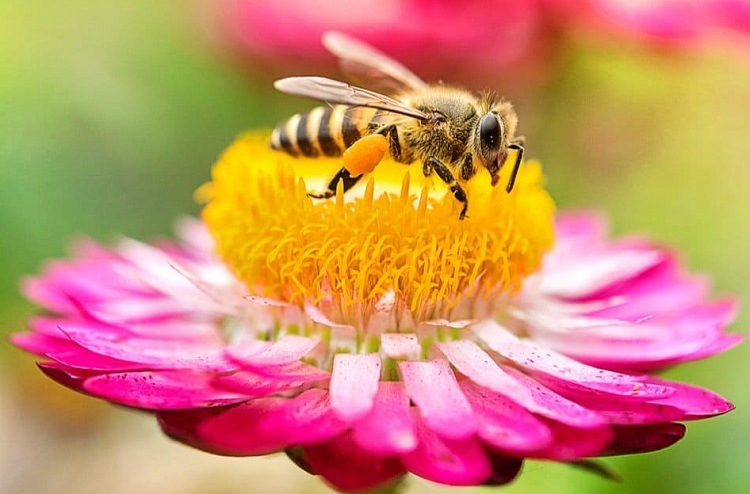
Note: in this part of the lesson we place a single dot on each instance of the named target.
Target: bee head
(491, 139)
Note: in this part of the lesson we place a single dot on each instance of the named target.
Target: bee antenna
(488, 98)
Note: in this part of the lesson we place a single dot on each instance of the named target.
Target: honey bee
(451, 131)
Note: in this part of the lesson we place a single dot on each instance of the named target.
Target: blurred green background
(111, 113)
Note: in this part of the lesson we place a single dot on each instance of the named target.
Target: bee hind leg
(445, 174)
(344, 176)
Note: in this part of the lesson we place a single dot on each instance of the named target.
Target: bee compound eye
(489, 132)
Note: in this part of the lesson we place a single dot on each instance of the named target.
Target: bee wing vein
(332, 91)
(366, 63)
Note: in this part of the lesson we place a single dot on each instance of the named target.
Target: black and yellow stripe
(325, 130)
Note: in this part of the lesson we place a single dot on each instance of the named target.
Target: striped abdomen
(325, 130)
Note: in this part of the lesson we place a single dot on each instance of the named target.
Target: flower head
(513, 44)
(375, 334)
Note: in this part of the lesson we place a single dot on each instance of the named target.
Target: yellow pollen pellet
(365, 154)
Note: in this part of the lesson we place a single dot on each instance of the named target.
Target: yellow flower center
(395, 231)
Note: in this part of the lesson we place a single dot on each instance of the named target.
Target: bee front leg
(467, 167)
(445, 174)
(518, 144)
(344, 176)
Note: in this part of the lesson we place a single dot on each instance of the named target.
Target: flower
(674, 22)
(377, 334)
(514, 44)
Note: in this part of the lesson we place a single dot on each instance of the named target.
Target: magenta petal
(284, 351)
(354, 382)
(433, 387)
(504, 468)
(542, 360)
(447, 461)
(255, 385)
(696, 402)
(182, 425)
(400, 345)
(41, 344)
(70, 354)
(572, 443)
(622, 411)
(654, 342)
(590, 272)
(389, 427)
(579, 229)
(267, 425)
(71, 378)
(161, 390)
(163, 354)
(643, 439)
(550, 404)
(721, 344)
(661, 290)
(348, 468)
(299, 371)
(477, 365)
(504, 424)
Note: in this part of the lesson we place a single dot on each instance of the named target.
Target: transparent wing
(367, 66)
(331, 91)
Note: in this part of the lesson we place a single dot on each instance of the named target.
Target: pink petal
(643, 439)
(354, 382)
(295, 371)
(579, 229)
(70, 354)
(48, 326)
(126, 308)
(262, 425)
(624, 411)
(721, 344)
(589, 273)
(696, 402)
(176, 329)
(389, 427)
(318, 317)
(550, 404)
(433, 387)
(255, 385)
(400, 345)
(286, 350)
(196, 238)
(348, 468)
(661, 290)
(474, 363)
(479, 366)
(447, 461)
(572, 443)
(41, 344)
(541, 360)
(181, 425)
(504, 424)
(653, 343)
(166, 354)
(504, 468)
(165, 390)
(71, 378)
